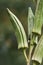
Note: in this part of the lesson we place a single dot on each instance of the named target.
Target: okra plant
(34, 44)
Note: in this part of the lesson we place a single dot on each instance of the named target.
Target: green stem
(30, 53)
(30, 50)
(37, 6)
(24, 51)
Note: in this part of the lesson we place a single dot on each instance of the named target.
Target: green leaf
(19, 30)
(38, 53)
(38, 20)
(30, 20)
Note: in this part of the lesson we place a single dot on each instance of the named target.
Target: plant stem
(27, 60)
(31, 48)
(24, 51)
(30, 53)
(37, 6)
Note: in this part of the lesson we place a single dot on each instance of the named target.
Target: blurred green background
(9, 54)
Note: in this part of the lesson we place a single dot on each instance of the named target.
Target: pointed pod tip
(8, 10)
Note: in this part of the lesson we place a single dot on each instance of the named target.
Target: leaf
(38, 53)
(38, 20)
(30, 20)
(19, 30)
